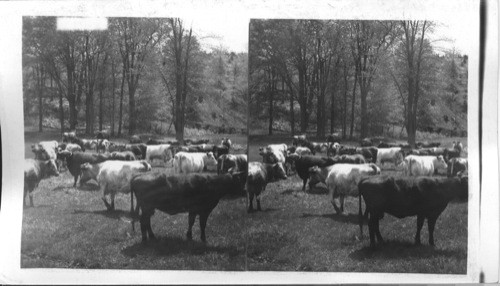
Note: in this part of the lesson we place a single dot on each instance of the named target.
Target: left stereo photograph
(135, 145)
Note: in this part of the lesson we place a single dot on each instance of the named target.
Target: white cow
(45, 150)
(422, 165)
(393, 155)
(161, 152)
(302, 151)
(278, 148)
(342, 179)
(272, 156)
(89, 143)
(197, 162)
(113, 176)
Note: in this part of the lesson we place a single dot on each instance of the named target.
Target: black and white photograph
(249, 142)
(150, 108)
(359, 116)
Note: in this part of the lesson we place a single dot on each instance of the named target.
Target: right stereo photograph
(359, 131)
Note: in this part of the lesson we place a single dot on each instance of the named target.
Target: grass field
(70, 228)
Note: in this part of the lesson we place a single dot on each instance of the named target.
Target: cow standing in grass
(34, 172)
(196, 194)
(259, 175)
(424, 197)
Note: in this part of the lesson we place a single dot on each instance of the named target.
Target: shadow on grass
(166, 246)
(403, 249)
(116, 214)
(346, 218)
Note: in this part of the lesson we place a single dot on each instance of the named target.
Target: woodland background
(141, 75)
(357, 78)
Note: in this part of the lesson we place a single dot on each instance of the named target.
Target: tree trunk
(344, 112)
(120, 117)
(101, 88)
(353, 102)
(40, 83)
(113, 86)
(132, 114)
(271, 87)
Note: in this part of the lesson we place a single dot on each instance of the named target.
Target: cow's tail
(133, 215)
(360, 213)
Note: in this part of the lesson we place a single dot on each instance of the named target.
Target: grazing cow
(186, 163)
(75, 160)
(424, 197)
(303, 163)
(422, 165)
(302, 151)
(315, 146)
(370, 153)
(197, 194)
(342, 179)
(236, 163)
(123, 156)
(68, 136)
(393, 155)
(298, 139)
(196, 141)
(116, 147)
(428, 144)
(34, 172)
(113, 177)
(259, 175)
(456, 166)
(161, 152)
(102, 145)
(135, 139)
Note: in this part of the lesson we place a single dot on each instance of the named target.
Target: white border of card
(483, 237)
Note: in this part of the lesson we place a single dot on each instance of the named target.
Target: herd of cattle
(191, 188)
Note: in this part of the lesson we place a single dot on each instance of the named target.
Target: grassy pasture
(301, 231)
(70, 228)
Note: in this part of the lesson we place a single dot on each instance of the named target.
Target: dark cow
(152, 141)
(370, 153)
(123, 156)
(449, 154)
(76, 159)
(34, 172)
(220, 150)
(259, 175)
(196, 194)
(388, 145)
(196, 141)
(427, 144)
(350, 159)
(139, 150)
(232, 163)
(135, 139)
(303, 163)
(347, 150)
(116, 147)
(425, 197)
(456, 166)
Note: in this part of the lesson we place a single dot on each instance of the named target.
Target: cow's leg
(334, 194)
(76, 179)
(145, 221)
(257, 198)
(191, 219)
(203, 224)
(103, 190)
(377, 227)
(431, 223)
(113, 201)
(31, 199)
(250, 201)
(420, 223)
(371, 229)
(304, 185)
(342, 199)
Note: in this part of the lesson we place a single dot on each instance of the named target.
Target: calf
(197, 194)
(456, 166)
(236, 163)
(342, 179)
(34, 172)
(113, 177)
(422, 165)
(185, 162)
(259, 175)
(76, 159)
(423, 197)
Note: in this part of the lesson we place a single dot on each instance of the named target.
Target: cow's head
(279, 171)
(315, 176)
(440, 163)
(210, 161)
